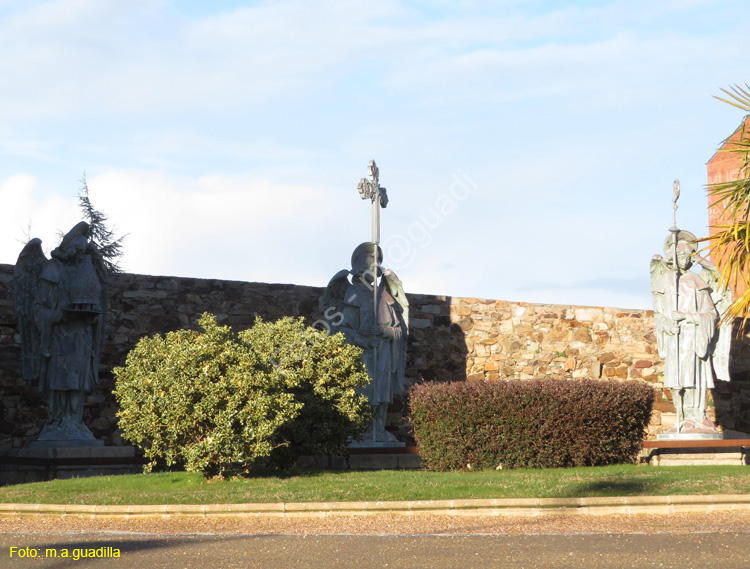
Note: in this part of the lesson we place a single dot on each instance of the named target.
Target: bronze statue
(685, 318)
(381, 333)
(372, 316)
(61, 305)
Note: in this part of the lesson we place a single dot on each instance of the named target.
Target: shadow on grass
(602, 488)
(237, 472)
(280, 474)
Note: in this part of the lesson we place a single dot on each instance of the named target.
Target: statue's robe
(687, 355)
(68, 339)
(386, 372)
(722, 299)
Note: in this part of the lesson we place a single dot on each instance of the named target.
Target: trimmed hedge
(529, 424)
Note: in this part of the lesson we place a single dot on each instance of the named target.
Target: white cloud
(85, 55)
(210, 227)
(610, 74)
(217, 227)
(90, 56)
(187, 143)
(23, 216)
(259, 119)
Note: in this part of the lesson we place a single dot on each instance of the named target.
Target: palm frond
(730, 243)
(738, 97)
(738, 309)
(730, 252)
(736, 194)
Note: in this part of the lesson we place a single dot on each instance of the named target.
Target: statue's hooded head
(362, 259)
(75, 242)
(687, 245)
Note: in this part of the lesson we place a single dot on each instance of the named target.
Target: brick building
(724, 166)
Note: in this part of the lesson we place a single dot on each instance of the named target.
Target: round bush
(213, 401)
(322, 373)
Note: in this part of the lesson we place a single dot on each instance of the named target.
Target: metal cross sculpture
(370, 189)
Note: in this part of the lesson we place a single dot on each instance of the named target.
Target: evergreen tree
(99, 233)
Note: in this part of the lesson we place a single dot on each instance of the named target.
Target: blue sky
(528, 148)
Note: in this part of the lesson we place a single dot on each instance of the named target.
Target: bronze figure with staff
(372, 315)
(685, 320)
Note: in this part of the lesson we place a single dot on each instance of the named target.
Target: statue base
(69, 433)
(66, 443)
(377, 438)
(38, 464)
(688, 436)
(692, 429)
(376, 444)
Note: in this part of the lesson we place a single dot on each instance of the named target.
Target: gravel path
(379, 524)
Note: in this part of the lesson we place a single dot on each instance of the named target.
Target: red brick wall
(724, 166)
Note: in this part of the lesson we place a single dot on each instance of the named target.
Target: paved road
(569, 551)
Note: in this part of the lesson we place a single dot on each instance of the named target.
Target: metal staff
(675, 232)
(371, 189)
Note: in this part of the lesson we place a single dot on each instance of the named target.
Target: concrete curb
(527, 507)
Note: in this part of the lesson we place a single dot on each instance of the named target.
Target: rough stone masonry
(450, 339)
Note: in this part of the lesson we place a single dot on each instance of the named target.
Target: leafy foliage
(730, 245)
(537, 424)
(322, 373)
(215, 400)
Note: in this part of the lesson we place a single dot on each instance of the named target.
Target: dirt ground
(392, 524)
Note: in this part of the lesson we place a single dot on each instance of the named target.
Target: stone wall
(451, 339)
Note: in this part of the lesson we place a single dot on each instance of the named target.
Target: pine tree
(99, 233)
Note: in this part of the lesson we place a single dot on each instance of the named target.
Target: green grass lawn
(342, 486)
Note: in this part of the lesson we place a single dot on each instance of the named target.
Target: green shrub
(538, 424)
(213, 400)
(322, 373)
